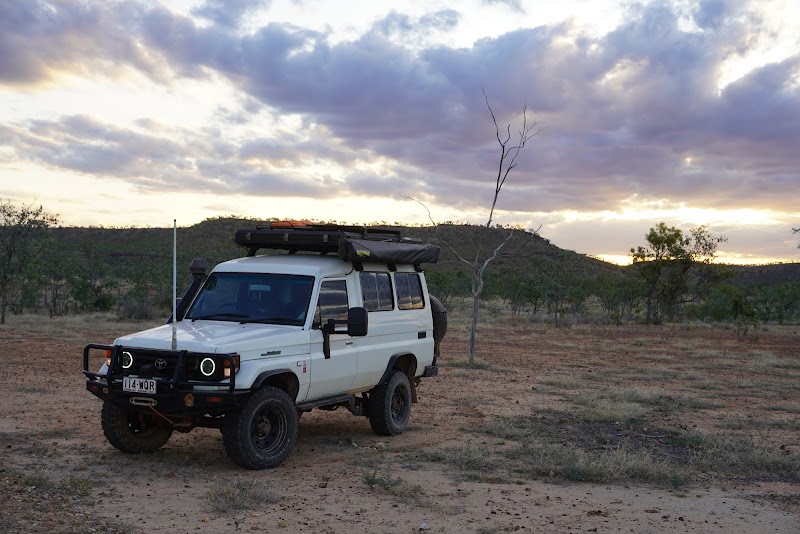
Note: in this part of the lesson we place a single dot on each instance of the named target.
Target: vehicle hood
(216, 337)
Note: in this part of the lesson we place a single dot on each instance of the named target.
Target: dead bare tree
(507, 162)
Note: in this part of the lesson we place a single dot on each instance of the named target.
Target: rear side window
(409, 291)
(333, 303)
(376, 288)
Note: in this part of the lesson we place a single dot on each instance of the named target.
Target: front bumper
(176, 394)
(178, 402)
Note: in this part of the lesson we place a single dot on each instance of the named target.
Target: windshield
(253, 298)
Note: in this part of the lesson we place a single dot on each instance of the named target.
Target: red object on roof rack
(290, 223)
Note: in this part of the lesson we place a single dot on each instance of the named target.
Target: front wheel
(133, 432)
(261, 435)
(390, 405)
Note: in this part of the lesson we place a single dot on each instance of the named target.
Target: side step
(327, 401)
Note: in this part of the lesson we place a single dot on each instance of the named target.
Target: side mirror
(357, 322)
(357, 325)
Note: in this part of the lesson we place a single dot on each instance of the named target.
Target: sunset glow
(135, 113)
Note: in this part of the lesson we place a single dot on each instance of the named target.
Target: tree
(522, 289)
(24, 234)
(727, 302)
(556, 294)
(779, 302)
(56, 273)
(665, 263)
(506, 163)
(619, 294)
(447, 285)
(89, 286)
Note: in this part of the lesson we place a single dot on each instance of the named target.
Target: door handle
(348, 343)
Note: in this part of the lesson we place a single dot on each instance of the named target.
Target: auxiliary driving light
(127, 360)
(207, 366)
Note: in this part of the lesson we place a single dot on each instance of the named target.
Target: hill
(130, 269)
(765, 274)
(212, 241)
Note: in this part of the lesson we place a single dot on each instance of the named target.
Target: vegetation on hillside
(128, 271)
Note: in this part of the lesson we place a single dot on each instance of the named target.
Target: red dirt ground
(49, 427)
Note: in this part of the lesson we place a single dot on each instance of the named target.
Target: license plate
(139, 385)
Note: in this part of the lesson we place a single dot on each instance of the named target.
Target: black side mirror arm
(357, 324)
(327, 329)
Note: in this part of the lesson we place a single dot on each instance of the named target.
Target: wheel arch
(283, 379)
(405, 362)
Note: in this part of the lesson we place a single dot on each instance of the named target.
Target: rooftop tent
(365, 250)
(356, 244)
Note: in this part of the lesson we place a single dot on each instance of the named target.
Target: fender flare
(291, 389)
(412, 370)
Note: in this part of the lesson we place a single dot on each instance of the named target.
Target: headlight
(127, 360)
(207, 366)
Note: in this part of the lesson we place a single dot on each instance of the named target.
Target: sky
(138, 112)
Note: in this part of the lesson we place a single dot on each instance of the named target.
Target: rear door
(399, 323)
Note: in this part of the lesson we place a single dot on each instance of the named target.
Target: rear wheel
(261, 435)
(133, 432)
(390, 405)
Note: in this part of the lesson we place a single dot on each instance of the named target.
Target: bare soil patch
(677, 428)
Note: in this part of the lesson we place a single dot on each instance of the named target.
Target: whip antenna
(174, 284)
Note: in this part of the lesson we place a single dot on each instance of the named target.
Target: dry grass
(239, 494)
(81, 487)
(612, 465)
(37, 477)
(76, 323)
(468, 458)
(613, 405)
(614, 411)
(563, 383)
(649, 399)
(621, 420)
(476, 364)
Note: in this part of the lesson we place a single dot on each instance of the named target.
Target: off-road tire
(261, 435)
(131, 431)
(390, 405)
(439, 316)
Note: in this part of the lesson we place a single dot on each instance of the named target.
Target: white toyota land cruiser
(262, 339)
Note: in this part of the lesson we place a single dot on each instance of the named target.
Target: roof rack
(356, 244)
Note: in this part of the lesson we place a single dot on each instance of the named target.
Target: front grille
(152, 363)
(181, 368)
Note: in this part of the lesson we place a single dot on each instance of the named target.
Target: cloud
(228, 12)
(40, 39)
(637, 111)
(407, 27)
(711, 13)
(189, 49)
(514, 5)
(155, 157)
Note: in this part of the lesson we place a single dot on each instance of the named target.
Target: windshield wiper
(219, 315)
(275, 320)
